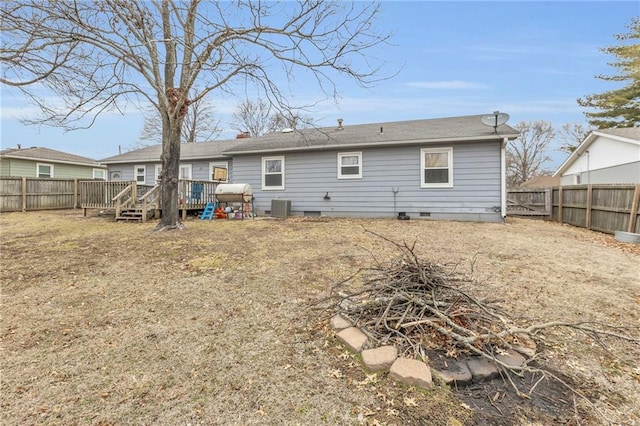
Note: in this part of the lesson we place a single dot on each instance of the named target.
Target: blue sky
(531, 60)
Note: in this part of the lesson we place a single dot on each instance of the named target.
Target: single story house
(38, 162)
(198, 161)
(605, 156)
(452, 168)
(541, 181)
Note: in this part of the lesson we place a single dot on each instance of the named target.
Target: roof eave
(497, 138)
(155, 160)
(577, 152)
(49, 160)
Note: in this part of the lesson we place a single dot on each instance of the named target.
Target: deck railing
(195, 194)
(118, 195)
(150, 200)
(100, 194)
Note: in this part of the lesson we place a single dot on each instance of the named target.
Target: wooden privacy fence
(22, 194)
(604, 208)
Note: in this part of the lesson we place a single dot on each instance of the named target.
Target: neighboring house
(48, 163)
(450, 168)
(198, 161)
(542, 181)
(605, 156)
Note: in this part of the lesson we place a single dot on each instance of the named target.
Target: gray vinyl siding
(475, 194)
(624, 173)
(199, 169)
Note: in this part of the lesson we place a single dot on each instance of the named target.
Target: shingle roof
(466, 128)
(188, 151)
(625, 132)
(50, 155)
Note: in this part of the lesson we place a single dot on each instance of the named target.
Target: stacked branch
(419, 306)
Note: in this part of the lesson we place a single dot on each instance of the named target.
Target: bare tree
(260, 117)
(527, 154)
(104, 54)
(572, 135)
(200, 125)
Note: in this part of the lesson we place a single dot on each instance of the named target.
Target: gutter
(371, 144)
(158, 160)
(49, 160)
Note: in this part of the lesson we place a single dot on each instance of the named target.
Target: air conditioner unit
(280, 208)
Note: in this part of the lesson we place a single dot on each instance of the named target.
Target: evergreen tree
(619, 107)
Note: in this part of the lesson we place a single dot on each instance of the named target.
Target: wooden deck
(131, 201)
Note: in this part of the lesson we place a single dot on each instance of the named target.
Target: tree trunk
(170, 173)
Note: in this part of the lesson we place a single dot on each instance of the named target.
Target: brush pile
(420, 306)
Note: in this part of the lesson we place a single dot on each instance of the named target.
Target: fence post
(589, 203)
(633, 214)
(560, 204)
(75, 194)
(24, 194)
(548, 202)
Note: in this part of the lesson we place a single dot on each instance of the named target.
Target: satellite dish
(495, 119)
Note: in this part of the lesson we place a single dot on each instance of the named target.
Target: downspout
(503, 178)
(588, 168)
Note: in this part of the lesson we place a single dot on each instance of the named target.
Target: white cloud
(446, 85)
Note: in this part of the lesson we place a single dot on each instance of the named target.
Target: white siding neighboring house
(605, 156)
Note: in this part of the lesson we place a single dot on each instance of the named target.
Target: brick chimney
(243, 135)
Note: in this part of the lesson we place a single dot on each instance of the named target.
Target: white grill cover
(234, 193)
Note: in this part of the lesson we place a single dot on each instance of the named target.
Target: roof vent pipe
(340, 124)
(381, 130)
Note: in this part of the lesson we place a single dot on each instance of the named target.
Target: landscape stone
(455, 373)
(512, 359)
(481, 368)
(527, 352)
(379, 359)
(352, 338)
(339, 322)
(411, 372)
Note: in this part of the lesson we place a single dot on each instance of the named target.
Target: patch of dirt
(110, 323)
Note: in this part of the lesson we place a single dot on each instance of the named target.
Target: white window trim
(135, 174)
(44, 164)
(264, 185)
(157, 169)
(103, 171)
(350, 154)
(214, 164)
(449, 152)
(189, 167)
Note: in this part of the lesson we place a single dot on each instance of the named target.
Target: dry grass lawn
(106, 323)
